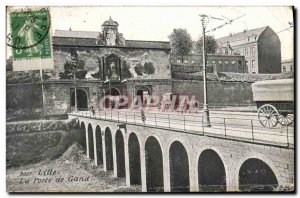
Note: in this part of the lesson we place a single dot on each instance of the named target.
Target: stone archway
(134, 159)
(82, 137)
(143, 93)
(109, 150)
(120, 154)
(110, 101)
(99, 150)
(82, 99)
(211, 172)
(154, 165)
(179, 168)
(256, 175)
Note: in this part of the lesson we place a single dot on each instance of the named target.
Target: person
(92, 110)
(196, 105)
(143, 115)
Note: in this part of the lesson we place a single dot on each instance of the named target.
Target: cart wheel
(268, 115)
(286, 119)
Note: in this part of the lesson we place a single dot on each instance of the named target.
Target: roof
(75, 34)
(242, 37)
(88, 38)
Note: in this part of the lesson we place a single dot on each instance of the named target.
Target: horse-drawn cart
(275, 101)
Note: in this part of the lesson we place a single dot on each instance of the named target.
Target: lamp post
(75, 90)
(204, 20)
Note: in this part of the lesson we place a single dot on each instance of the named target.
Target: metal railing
(230, 127)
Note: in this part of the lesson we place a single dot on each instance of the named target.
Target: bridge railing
(234, 127)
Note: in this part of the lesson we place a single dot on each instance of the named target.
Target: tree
(98, 74)
(210, 45)
(9, 66)
(125, 71)
(181, 42)
(139, 69)
(73, 66)
(149, 68)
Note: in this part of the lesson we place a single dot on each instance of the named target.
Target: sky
(156, 23)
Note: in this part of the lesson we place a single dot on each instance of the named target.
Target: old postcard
(150, 99)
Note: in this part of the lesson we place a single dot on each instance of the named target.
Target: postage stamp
(30, 39)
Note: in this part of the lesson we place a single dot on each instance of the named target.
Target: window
(226, 62)
(253, 63)
(284, 69)
(185, 61)
(220, 62)
(253, 51)
(292, 68)
(178, 61)
(213, 61)
(193, 61)
(233, 62)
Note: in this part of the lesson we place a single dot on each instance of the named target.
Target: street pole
(109, 94)
(75, 91)
(205, 108)
(43, 91)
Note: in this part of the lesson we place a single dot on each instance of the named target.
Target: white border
(4, 3)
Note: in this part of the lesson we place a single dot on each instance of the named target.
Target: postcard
(150, 99)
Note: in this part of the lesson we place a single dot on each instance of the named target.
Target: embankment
(34, 141)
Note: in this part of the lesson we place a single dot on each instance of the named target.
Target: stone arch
(108, 149)
(211, 172)
(82, 136)
(114, 91)
(134, 159)
(91, 142)
(142, 92)
(261, 157)
(256, 175)
(154, 165)
(222, 157)
(99, 150)
(120, 154)
(179, 167)
(110, 102)
(82, 98)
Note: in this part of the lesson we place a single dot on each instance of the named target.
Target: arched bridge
(167, 159)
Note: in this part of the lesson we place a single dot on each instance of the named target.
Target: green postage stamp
(30, 39)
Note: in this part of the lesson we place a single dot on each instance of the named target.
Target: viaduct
(167, 160)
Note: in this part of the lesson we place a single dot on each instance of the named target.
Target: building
(108, 65)
(287, 65)
(261, 48)
(222, 63)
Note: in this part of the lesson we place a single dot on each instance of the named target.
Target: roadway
(233, 125)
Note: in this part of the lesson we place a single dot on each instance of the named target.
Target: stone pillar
(104, 151)
(95, 147)
(194, 186)
(143, 168)
(166, 165)
(87, 141)
(232, 180)
(114, 154)
(127, 166)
